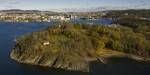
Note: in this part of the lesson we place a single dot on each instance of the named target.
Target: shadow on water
(120, 66)
(114, 66)
(29, 69)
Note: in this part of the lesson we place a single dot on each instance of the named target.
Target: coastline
(101, 59)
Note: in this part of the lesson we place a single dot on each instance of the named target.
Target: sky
(56, 4)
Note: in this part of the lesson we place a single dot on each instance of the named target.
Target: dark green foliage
(137, 38)
(129, 13)
(136, 31)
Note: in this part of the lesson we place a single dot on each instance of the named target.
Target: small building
(46, 43)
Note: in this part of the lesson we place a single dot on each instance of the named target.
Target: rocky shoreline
(81, 66)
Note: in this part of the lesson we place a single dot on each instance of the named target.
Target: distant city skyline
(57, 4)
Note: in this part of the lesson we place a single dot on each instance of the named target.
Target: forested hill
(67, 45)
(143, 13)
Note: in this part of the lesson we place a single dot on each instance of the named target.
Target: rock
(61, 62)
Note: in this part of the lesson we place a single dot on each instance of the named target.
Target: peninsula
(72, 46)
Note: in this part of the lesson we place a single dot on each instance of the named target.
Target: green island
(72, 46)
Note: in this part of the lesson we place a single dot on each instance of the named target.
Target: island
(72, 46)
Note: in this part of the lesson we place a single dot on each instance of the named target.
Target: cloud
(8, 4)
(7, 1)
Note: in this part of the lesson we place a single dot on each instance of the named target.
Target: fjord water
(8, 32)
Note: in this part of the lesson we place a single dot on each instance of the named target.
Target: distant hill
(92, 9)
(18, 11)
(142, 13)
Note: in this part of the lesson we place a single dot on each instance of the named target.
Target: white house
(46, 43)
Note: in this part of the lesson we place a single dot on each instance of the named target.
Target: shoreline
(101, 59)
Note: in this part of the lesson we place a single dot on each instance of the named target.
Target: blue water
(8, 32)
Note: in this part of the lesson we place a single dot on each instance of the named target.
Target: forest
(67, 39)
(140, 13)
